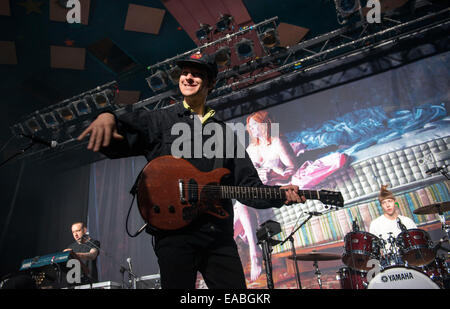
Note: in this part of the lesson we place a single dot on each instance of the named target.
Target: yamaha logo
(397, 277)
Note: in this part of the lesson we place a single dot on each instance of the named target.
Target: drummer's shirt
(382, 226)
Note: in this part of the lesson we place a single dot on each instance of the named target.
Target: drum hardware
(294, 256)
(315, 257)
(351, 279)
(318, 274)
(439, 209)
(264, 234)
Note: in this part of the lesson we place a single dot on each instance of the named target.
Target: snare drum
(360, 247)
(416, 247)
(401, 277)
(351, 279)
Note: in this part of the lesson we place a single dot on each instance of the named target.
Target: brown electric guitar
(171, 193)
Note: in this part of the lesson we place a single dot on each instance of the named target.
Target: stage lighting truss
(68, 117)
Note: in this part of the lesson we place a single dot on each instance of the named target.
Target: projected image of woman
(274, 160)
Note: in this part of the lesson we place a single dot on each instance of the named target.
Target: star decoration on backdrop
(32, 6)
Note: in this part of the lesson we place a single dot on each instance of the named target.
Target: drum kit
(408, 261)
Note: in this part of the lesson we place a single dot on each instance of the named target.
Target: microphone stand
(294, 254)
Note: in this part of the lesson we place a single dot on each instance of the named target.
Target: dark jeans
(181, 256)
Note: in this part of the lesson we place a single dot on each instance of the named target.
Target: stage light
(157, 81)
(17, 129)
(203, 32)
(269, 38)
(66, 113)
(223, 23)
(104, 98)
(81, 107)
(223, 56)
(244, 49)
(33, 125)
(345, 8)
(174, 74)
(49, 120)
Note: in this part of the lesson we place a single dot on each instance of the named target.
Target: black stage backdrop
(38, 205)
(109, 203)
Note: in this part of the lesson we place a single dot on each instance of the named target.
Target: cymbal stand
(294, 254)
(318, 273)
(445, 227)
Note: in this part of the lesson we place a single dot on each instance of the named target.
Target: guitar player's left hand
(292, 196)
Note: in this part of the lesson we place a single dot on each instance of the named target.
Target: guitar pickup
(181, 188)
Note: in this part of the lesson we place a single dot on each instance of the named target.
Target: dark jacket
(148, 133)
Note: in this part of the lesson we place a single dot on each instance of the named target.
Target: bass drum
(400, 277)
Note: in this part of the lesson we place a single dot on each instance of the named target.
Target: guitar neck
(236, 192)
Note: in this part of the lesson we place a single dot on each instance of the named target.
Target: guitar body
(159, 194)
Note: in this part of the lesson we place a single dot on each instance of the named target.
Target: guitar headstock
(331, 198)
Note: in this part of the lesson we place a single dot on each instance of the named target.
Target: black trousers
(216, 257)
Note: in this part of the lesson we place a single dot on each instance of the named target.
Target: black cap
(202, 61)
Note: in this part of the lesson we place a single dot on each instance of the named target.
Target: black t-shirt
(91, 264)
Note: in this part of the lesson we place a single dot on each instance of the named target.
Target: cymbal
(433, 209)
(316, 256)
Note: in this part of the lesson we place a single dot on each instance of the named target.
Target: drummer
(388, 223)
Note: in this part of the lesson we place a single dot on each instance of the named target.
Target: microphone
(436, 169)
(129, 265)
(401, 225)
(38, 140)
(355, 226)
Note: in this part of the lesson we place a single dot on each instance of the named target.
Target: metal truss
(291, 67)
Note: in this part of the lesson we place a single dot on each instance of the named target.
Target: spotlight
(66, 113)
(103, 99)
(157, 81)
(33, 125)
(269, 38)
(223, 23)
(49, 120)
(81, 107)
(223, 56)
(174, 74)
(244, 49)
(203, 32)
(17, 129)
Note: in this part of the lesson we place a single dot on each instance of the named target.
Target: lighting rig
(277, 67)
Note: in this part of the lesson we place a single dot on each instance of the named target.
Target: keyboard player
(86, 249)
